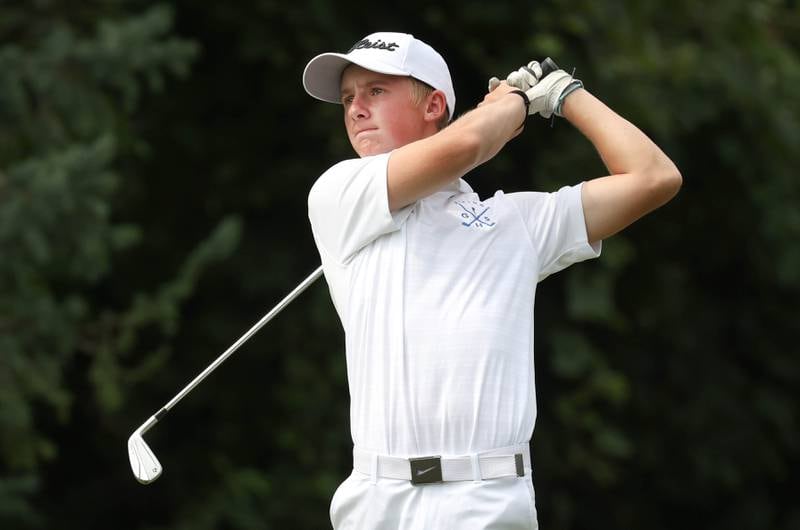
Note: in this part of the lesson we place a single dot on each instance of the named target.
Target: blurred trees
(67, 99)
(154, 165)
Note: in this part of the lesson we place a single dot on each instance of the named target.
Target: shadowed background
(155, 159)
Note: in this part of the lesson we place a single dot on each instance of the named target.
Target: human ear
(436, 106)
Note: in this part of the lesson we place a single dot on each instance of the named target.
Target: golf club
(548, 66)
(146, 467)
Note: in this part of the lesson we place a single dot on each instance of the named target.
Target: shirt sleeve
(348, 207)
(556, 227)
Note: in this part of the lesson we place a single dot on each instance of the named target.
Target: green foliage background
(154, 164)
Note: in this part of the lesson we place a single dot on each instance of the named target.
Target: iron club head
(146, 467)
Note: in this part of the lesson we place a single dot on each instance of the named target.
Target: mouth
(362, 131)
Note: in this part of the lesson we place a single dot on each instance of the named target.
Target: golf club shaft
(213, 366)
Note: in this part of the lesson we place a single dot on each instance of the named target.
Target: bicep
(614, 202)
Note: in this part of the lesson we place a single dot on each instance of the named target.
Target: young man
(435, 286)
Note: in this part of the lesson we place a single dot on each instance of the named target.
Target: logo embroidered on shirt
(474, 214)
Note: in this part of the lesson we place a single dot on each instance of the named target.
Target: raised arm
(642, 176)
(422, 167)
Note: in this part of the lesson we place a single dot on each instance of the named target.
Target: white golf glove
(523, 79)
(526, 77)
(546, 95)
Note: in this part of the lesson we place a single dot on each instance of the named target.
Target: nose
(358, 110)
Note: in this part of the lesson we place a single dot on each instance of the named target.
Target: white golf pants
(364, 503)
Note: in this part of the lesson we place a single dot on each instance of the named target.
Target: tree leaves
(139, 148)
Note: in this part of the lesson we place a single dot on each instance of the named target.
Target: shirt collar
(459, 185)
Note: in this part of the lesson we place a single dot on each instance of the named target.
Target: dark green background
(155, 160)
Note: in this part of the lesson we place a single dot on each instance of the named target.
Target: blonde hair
(419, 92)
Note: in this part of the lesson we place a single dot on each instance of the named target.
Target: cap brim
(323, 74)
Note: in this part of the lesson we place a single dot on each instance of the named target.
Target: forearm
(641, 179)
(422, 167)
(493, 123)
(621, 145)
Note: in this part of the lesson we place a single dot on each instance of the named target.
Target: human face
(379, 111)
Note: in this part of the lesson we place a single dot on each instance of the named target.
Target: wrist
(574, 85)
(526, 102)
(574, 105)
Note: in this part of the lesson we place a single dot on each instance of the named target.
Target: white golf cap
(385, 53)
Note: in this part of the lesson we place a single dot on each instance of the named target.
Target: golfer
(435, 286)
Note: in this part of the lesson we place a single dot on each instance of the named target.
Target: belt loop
(476, 467)
(374, 467)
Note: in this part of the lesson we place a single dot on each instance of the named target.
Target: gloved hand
(526, 77)
(523, 79)
(546, 95)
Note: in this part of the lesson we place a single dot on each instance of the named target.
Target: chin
(371, 150)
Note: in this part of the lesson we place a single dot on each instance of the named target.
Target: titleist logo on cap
(377, 45)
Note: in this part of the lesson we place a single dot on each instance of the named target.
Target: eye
(377, 90)
(347, 100)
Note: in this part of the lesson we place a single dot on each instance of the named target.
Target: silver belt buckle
(426, 470)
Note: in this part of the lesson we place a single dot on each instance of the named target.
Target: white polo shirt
(436, 301)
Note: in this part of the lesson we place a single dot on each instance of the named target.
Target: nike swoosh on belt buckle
(426, 470)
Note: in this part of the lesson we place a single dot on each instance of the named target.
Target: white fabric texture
(499, 504)
(436, 302)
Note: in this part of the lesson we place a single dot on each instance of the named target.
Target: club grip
(548, 66)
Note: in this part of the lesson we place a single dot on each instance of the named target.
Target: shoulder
(342, 173)
(341, 168)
